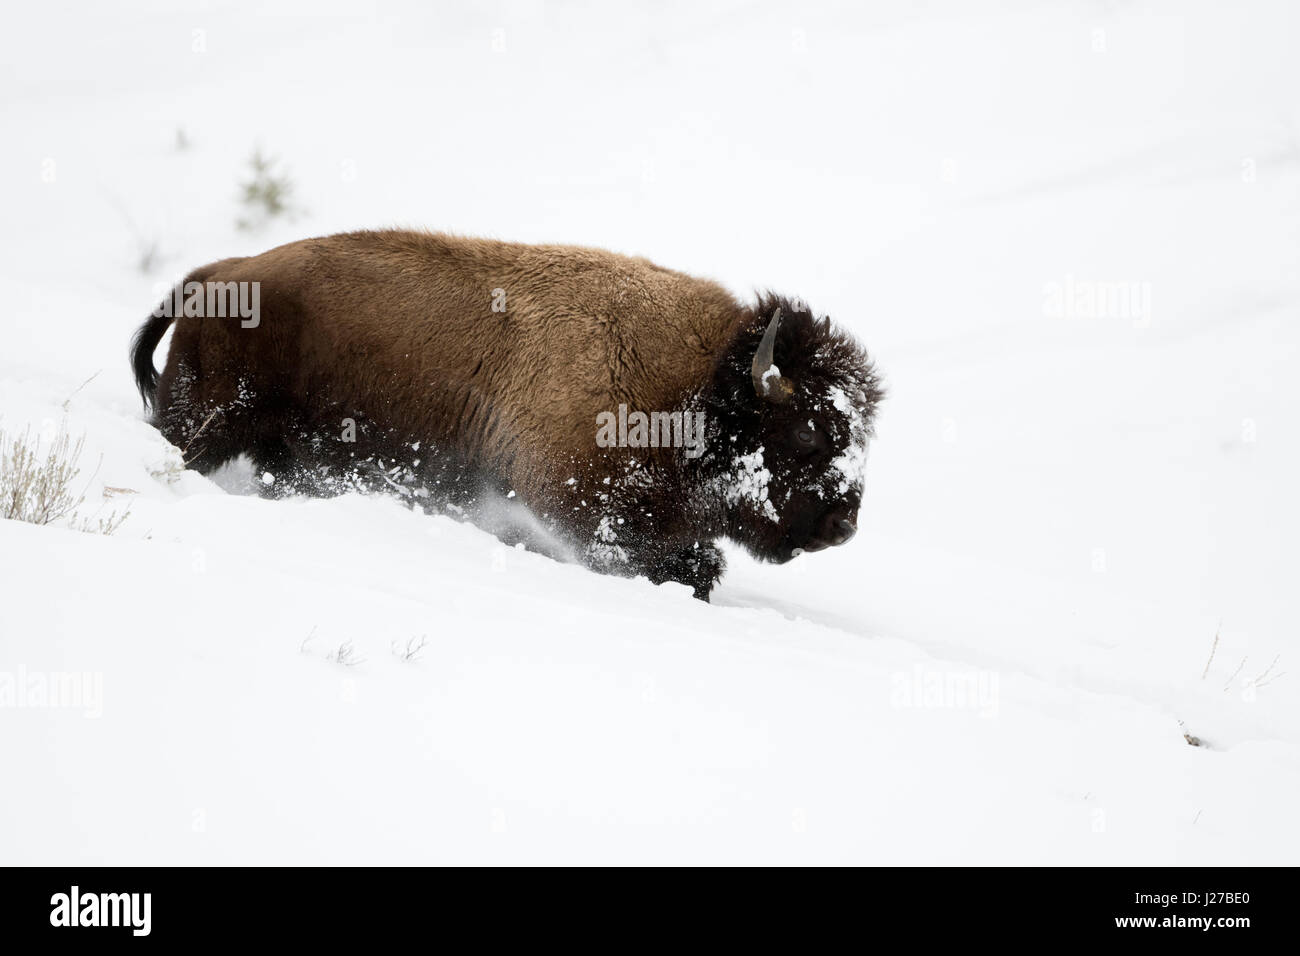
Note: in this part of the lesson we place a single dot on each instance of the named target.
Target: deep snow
(1062, 507)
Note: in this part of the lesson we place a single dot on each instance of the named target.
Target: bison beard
(461, 372)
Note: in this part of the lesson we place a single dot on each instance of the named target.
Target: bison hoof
(698, 566)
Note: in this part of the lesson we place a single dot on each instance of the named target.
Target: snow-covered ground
(1065, 503)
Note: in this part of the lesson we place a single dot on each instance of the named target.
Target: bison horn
(769, 383)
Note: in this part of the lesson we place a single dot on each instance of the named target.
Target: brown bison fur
(469, 371)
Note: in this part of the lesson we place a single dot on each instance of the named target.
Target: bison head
(794, 402)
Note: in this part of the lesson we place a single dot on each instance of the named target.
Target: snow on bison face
(794, 456)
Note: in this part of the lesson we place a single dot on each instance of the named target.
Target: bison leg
(199, 424)
(214, 415)
(279, 472)
(698, 566)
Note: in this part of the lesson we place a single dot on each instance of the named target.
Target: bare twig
(205, 424)
(411, 651)
(1260, 681)
(79, 388)
(1213, 647)
(1235, 673)
(346, 655)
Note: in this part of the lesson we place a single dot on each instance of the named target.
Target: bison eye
(808, 439)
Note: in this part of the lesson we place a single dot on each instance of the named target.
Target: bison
(638, 413)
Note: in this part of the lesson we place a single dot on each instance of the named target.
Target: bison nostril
(844, 530)
(837, 529)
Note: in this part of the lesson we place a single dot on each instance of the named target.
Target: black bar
(330, 906)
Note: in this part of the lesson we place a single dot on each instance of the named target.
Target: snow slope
(1063, 506)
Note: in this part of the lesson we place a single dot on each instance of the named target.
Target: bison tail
(143, 343)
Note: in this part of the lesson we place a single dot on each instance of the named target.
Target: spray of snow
(507, 517)
(604, 549)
